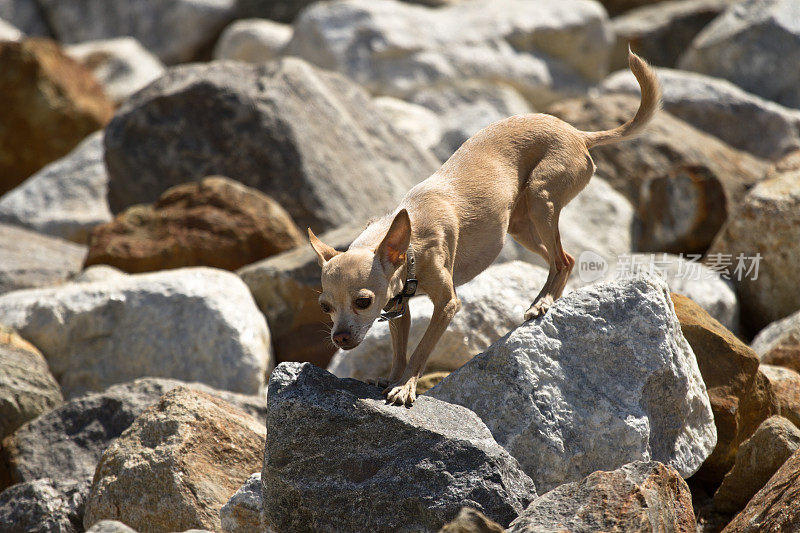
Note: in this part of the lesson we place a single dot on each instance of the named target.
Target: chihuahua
(514, 176)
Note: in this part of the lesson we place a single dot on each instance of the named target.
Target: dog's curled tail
(650, 103)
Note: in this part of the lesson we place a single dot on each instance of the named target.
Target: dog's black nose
(342, 339)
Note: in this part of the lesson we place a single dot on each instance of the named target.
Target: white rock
(98, 273)
(9, 32)
(121, 65)
(491, 305)
(242, 513)
(465, 107)
(174, 30)
(743, 120)
(603, 379)
(544, 49)
(419, 124)
(192, 324)
(253, 40)
(751, 44)
(67, 198)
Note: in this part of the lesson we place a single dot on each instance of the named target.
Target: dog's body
(514, 177)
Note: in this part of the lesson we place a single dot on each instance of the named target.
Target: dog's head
(356, 283)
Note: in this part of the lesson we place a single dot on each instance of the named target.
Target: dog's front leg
(404, 390)
(399, 329)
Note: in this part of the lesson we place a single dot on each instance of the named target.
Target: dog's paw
(402, 393)
(538, 308)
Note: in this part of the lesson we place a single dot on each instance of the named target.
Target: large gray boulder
(310, 139)
(743, 120)
(34, 260)
(174, 30)
(67, 198)
(751, 44)
(641, 496)
(542, 48)
(396, 469)
(603, 379)
(491, 305)
(9, 32)
(69, 440)
(44, 506)
(193, 324)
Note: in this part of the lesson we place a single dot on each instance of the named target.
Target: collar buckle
(399, 303)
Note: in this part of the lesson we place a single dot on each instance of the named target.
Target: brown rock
(740, 396)
(217, 222)
(785, 384)
(641, 496)
(27, 388)
(470, 520)
(779, 343)
(50, 102)
(682, 182)
(776, 507)
(177, 465)
(758, 458)
(767, 222)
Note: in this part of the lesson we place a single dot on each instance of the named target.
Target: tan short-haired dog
(514, 177)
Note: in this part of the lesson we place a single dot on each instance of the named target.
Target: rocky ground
(160, 161)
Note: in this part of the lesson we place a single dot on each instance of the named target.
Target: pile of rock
(160, 161)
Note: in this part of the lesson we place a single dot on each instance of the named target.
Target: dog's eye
(325, 307)
(362, 303)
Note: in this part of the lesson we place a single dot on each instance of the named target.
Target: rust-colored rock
(216, 222)
(776, 507)
(638, 497)
(49, 103)
(176, 466)
(741, 397)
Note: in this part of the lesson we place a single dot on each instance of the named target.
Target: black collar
(398, 306)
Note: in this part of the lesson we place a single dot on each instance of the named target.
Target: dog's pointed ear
(393, 247)
(324, 252)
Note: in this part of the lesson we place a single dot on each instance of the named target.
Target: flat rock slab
(603, 379)
(335, 450)
(193, 324)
